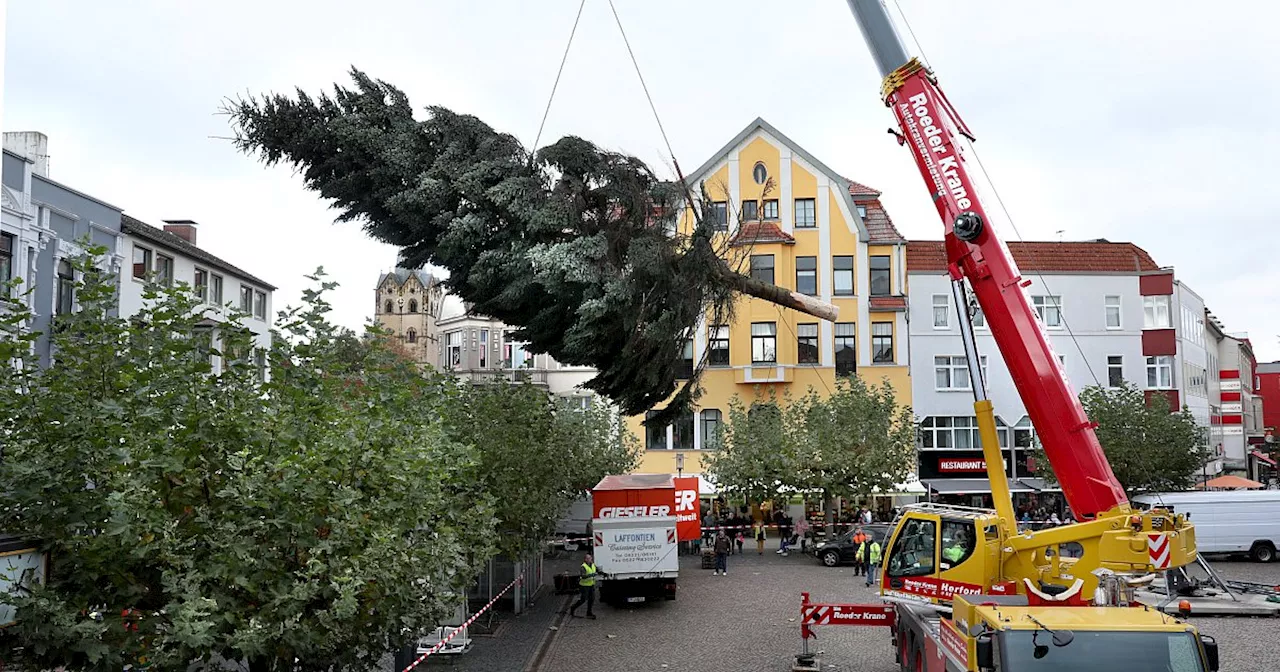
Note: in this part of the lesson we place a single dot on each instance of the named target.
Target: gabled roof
(752, 233)
(180, 245)
(880, 228)
(761, 125)
(402, 275)
(861, 191)
(1090, 256)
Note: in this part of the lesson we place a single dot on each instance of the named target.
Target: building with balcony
(787, 218)
(407, 303)
(43, 224)
(170, 255)
(1238, 419)
(479, 349)
(1112, 315)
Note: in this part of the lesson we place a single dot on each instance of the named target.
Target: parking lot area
(749, 621)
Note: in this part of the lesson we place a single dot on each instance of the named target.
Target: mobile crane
(971, 592)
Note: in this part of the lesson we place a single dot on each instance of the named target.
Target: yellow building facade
(789, 219)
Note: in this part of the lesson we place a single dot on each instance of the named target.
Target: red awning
(1262, 457)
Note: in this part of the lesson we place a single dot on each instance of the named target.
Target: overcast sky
(1150, 122)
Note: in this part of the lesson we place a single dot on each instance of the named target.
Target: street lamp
(679, 464)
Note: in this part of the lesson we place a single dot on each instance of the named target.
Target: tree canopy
(575, 245)
(195, 507)
(854, 441)
(1150, 447)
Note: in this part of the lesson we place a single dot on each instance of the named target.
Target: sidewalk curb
(548, 638)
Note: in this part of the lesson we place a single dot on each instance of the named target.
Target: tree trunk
(779, 295)
(828, 513)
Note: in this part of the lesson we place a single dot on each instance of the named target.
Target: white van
(1230, 521)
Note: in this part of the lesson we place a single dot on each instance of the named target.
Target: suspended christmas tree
(575, 246)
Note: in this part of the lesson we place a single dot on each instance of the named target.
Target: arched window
(386, 308)
(413, 305)
(412, 336)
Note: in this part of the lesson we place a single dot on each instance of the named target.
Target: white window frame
(953, 368)
(768, 333)
(260, 304)
(484, 348)
(453, 341)
(807, 216)
(1153, 307)
(1043, 305)
(1157, 365)
(1112, 302)
(941, 309)
(215, 289)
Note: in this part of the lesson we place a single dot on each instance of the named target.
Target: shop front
(959, 477)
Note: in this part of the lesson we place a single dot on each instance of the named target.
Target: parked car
(841, 549)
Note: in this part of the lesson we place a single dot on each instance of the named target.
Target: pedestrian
(740, 538)
(859, 539)
(873, 559)
(866, 516)
(802, 531)
(586, 587)
(758, 532)
(708, 528)
(784, 533)
(1054, 521)
(722, 548)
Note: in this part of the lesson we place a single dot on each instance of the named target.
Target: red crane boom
(930, 128)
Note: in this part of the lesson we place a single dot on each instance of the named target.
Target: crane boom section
(930, 129)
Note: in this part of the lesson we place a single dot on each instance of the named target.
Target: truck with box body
(634, 537)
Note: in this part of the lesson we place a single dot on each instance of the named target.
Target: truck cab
(1002, 632)
(937, 552)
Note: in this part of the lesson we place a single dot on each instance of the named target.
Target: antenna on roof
(1060, 232)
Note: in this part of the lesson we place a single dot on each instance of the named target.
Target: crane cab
(936, 552)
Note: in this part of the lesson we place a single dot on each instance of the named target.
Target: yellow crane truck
(968, 590)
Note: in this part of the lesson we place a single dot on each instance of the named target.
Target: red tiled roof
(880, 228)
(750, 233)
(1062, 257)
(857, 190)
(888, 303)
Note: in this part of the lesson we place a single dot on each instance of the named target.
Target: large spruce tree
(575, 245)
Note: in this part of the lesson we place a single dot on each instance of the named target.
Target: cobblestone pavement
(747, 621)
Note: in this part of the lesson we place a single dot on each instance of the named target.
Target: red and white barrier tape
(817, 526)
(460, 628)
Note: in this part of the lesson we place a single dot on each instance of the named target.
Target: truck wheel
(831, 558)
(1262, 551)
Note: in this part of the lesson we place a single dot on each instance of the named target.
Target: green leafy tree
(573, 244)
(853, 442)
(314, 521)
(756, 454)
(1150, 448)
(536, 454)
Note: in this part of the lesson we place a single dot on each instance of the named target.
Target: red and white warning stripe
(1158, 550)
(460, 628)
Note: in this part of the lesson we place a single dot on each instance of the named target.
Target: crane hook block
(968, 226)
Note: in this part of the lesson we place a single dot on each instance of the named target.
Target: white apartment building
(478, 348)
(1110, 313)
(170, 255)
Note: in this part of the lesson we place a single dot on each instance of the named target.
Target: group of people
(866, 556)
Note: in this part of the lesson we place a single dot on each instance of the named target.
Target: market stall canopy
(706, 486)
(1262, 457)
(1233, 483)
(968, 486)
(908, 488)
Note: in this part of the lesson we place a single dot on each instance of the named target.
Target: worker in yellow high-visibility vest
(586, 587)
